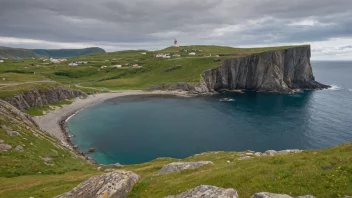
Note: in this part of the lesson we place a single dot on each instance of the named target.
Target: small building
(116, 66)
(54, 60)
(144, 53)
(1, 61)
(176, 55)
(102, 67)
(73, 64)
(135, 65)
(192, 54)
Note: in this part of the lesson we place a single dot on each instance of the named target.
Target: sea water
(137, 129)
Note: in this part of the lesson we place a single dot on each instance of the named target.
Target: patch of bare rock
(4, 147)
(9, 131)
(205, 191)
(178, 166)
(115, 184)
(250, 154)
(272, 195)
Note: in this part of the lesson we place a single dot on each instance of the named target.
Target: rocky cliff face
(39, 98)
(281, 71)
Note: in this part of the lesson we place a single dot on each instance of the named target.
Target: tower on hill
(175, 43)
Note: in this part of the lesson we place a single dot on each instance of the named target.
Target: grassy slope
(328, 173)
(322, 173)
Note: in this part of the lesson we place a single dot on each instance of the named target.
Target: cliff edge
(282, 71)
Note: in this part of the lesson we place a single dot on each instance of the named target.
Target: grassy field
(154, 71)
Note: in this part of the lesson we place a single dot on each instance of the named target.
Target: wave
(334, 88)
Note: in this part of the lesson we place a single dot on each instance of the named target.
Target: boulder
(91, 150)
(272, 195)
(205, 191)
(5, 147)
(19, 148)
(178, 166)
(270, 152)
(116, 184)
(9, 131)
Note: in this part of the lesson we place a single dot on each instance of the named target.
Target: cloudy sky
(153, 24)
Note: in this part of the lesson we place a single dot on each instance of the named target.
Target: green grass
(326, 173)
(39, 111)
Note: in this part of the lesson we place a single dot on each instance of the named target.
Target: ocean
(137, 129)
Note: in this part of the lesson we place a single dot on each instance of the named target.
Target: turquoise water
(137, 129)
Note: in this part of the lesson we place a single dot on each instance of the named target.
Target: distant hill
(8, 52)
(64, 53)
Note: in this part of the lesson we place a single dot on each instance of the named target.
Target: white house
(54, 60)
(117, 66)
(163, 56)
(192, 53)
(144, 53)
(176, 55)
(1, 61)
(72, 64)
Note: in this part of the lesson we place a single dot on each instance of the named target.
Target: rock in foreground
(272, 195)
(178, 166)
(116, 184)
(205, 191)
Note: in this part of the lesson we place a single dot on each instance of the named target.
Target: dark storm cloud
(140, 22)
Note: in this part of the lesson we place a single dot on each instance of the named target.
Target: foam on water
(334, 88)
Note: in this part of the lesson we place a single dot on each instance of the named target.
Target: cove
(137, 129)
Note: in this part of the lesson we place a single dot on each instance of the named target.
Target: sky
(153, 24)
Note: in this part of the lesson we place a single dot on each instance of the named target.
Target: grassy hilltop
(154, 71)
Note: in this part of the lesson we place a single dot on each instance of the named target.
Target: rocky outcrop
(205, 191)
(250, 154)
(115, 184)
(282, 71)
(39, 98)
(272, 195)
(178, 166)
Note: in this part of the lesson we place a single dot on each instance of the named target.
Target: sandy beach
(50, 122)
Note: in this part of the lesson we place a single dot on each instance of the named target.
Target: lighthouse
(175, 43)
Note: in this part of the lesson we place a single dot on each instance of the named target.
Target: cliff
(277, 71)
(39, 98)
(281, 71)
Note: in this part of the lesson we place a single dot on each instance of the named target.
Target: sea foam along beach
(54, 121)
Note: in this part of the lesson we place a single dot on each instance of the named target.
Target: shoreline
(55, 122)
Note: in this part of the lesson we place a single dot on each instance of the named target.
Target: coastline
(54, 122)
